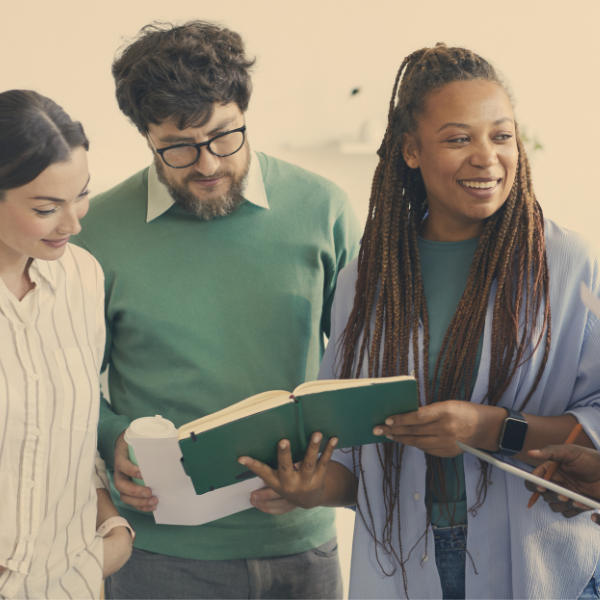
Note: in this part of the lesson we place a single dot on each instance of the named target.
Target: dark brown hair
(511, 251)
(35, 133)
(179, 72)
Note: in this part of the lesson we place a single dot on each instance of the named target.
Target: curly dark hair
(179, 72)
(35, 133)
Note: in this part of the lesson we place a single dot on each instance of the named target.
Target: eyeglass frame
(161, 151)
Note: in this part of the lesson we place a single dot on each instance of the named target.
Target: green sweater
(202, 314)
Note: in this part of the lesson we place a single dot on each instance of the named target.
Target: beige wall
(311, 53)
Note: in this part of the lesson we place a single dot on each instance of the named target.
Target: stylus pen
(554, 465)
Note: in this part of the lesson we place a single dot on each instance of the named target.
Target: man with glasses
(220, 265)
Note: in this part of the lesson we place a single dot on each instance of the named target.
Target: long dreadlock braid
(511, 252)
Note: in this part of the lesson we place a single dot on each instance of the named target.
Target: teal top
(445, 270)
(203, 314)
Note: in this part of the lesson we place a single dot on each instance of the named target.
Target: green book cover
(348, 413)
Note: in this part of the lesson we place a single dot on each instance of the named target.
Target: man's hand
(578, 470)
(117, 550)
(436, 428)
(138, 496)
(303, 486)
(269, 501)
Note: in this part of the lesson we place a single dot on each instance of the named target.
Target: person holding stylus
(578, 470)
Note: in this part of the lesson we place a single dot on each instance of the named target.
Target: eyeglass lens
(184, 156)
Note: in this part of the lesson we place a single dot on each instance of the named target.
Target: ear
(410, 150)
(145, 136)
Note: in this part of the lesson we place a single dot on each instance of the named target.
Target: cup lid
(151, 427)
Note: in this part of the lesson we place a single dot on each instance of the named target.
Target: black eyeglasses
(181, 156)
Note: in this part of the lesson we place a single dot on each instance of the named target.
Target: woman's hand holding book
(314, 482)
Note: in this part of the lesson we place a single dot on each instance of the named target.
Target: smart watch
(512, 434)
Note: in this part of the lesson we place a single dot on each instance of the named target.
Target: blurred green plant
(531, 143)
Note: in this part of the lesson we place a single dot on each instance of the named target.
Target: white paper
(590, 301)
(160, 463)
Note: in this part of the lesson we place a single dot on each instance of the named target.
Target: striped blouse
(514, 552)
(51, 346)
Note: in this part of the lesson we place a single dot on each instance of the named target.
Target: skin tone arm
(117, 542)
(436, 428)
(314, 482)
(140, 497)
(578, 470)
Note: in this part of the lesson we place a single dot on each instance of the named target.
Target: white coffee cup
(149, 428)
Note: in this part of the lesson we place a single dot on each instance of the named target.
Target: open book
(348, 409)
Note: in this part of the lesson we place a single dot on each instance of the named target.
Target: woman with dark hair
(52, 484)
(461, 280)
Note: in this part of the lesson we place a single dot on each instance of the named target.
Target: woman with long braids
(461, 280)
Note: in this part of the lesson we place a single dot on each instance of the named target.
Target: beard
(210, 208)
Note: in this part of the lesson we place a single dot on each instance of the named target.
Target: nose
(484, 154)
(207, 163)
(69, 223)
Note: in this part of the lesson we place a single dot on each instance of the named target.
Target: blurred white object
(590, 301)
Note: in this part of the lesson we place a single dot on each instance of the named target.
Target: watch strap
(113, 522)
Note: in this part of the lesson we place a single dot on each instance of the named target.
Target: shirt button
(425, 558)
(35, 377)
(31, 484)
(35, 431)
(21, 326)
(417, 496)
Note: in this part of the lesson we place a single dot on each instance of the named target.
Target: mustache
(200, 177)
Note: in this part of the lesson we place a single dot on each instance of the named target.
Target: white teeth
(479, 184)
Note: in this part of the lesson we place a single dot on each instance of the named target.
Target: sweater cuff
(108, 432)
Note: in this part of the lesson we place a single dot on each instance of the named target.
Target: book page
(239, 410)
(326, 385)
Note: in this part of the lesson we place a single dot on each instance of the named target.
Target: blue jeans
(592, 589)
(450, 559)
(312, 574)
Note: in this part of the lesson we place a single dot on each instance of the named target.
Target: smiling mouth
(480, 185)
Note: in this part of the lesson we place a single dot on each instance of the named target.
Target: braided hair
(511, 251)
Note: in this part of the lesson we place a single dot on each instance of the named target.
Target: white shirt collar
(42, 268)
(159, 199)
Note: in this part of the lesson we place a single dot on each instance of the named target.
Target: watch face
(514, 434)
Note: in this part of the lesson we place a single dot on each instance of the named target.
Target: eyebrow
(53, 199)
(175, 139)
(466, 126)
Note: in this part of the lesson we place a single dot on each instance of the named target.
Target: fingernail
(562, 498)
(377, 431)
(317, 438)
(283, 445)
(534, 451)
(334, 441)
(144, 494)
(540, 489)
(138, 475)
(389, 437)
(389, 421)
(243, 461)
